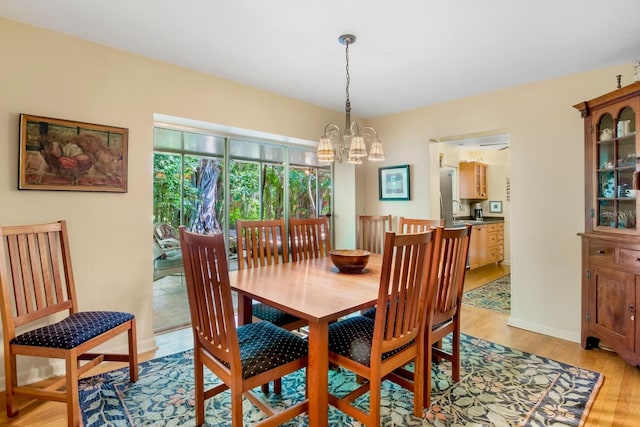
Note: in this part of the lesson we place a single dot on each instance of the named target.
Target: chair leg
(418, 386)
(277, 386)
(236, 407)
(133, 352)
(455, 355)
(199, 387)
(11, 381)
(438, 345)
(426, 391)
(73, 400)
(374, 401)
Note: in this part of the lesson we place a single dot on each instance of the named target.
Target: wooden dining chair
(405, 226)
(416, 225)
(36, 282)
(263, 243)
(309, 238)
(244, 357)
(445, 304)
(371, 232)
(374, 348)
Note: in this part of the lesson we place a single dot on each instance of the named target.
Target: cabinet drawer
(492, 228)
(629, 257)
(492, 238)
(601, 253)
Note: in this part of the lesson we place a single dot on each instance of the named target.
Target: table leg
(245, 313)
(318, 375)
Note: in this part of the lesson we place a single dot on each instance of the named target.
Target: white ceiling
(409, 53)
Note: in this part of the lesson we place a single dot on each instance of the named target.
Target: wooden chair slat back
(454, 250)
(209, 293)
(371, 232)
(417, 225)
(408, 268)
(309, 238)
(36, 277)
(261, 243)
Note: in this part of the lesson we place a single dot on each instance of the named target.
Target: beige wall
(547, 176)
(49, 74)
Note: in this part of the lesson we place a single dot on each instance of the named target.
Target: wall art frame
(495, 206)
(58, 154)
(394, 183)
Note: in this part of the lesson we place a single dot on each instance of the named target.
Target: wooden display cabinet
(473, 180)
(611, 241)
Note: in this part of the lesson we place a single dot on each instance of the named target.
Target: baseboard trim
(545, 330)
(55, 367)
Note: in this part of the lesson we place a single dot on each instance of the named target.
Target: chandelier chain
(347, 69)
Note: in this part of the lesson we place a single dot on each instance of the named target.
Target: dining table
(316, 291)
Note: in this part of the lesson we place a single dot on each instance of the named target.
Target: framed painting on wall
(393, 183)
(57, 154)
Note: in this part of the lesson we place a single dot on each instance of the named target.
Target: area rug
(499, 386)
(494, 295)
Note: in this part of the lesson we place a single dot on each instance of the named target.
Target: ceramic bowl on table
(350, 261)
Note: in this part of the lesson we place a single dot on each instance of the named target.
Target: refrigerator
(446, 196)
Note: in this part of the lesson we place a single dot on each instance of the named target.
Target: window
(193, 188)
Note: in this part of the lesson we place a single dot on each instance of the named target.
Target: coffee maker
(477, 211)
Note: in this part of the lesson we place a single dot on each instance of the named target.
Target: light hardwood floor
(615, 405)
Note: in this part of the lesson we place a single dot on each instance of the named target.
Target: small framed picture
(495, 207)
(393, 183)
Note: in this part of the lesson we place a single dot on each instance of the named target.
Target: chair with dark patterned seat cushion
(263, 243)
(445, 303)
(371, 230)
(309, 238)
(374, 348)
(443, 313)
(417, 225)
(36, 281)
(243, 358)
(409, 225)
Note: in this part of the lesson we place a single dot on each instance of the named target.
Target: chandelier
(350, 144)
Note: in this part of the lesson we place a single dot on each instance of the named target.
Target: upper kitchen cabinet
(473, 180)
(611, 150)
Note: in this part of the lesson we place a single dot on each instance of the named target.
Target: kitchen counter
(472, 221)
(487, 239)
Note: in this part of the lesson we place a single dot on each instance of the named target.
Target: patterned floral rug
(499, 386)
(494, 295)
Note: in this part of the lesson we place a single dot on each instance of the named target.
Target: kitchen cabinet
(473, 180)
(486, 245)
(611, 240)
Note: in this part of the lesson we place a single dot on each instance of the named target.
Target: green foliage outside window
(173, 192)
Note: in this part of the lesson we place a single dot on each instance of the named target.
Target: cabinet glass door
(616, 164)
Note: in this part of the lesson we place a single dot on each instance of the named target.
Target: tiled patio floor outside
(170, 303)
